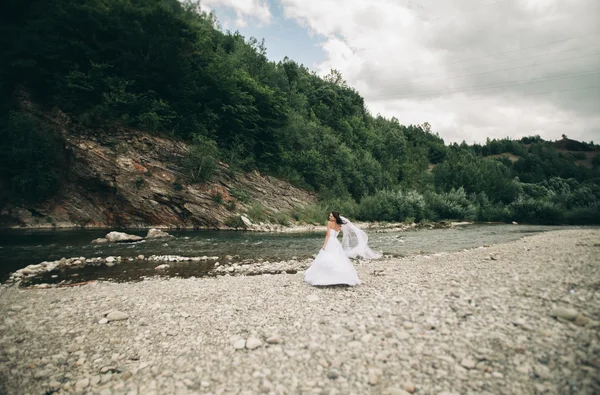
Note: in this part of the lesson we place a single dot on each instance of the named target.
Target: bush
(256, 213)
(200, 162)
(240, 194)
(217, 197)
(319, 212)
(139, 182)
(584, 215)
(235, 221)
(388, 205)
(281, 219)
(450, 205)
(540, 211)
(314, 213)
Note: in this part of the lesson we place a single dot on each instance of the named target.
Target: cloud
(244, 10)
(497, 69)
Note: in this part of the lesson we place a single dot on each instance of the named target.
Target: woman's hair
(337, 217)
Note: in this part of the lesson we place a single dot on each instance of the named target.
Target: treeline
(164, 67)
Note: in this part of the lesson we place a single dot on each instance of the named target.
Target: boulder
(120, 237)
(157, 234)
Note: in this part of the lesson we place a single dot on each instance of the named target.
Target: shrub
(450, 205)
(200, 162)
(240, 194)
(235, 221)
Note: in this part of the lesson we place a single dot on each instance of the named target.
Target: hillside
(120, 73)
(127, 178)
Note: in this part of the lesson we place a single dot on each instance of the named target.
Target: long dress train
(332, 266)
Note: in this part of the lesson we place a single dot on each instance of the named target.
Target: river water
(19, 248)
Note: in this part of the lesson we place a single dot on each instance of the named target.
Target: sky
(473, 69)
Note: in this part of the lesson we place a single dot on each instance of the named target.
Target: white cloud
(244, 10)
(472, 70)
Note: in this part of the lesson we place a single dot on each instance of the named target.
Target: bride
(332, 265)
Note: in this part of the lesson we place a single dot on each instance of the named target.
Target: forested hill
(162, 66)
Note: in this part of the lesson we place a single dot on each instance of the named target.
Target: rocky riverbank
(125, 178)
(520, 317)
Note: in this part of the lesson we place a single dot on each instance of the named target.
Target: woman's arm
(326, 236)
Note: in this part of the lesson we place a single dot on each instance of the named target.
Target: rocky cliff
(128, 178)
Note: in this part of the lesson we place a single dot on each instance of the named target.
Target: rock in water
(157, 234)
(100, 240)
(119, 237)
(162, 267)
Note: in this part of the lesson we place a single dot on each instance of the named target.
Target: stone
(120, 237)
(312, 298)
(246, 221)
(41, 374)
(581, 320)
(333, 374)
(566, 313)
(239, 344)
(274, 339)
(467, 363)
(103, 321)
(117, 316)
(140, 257)
(394, 391)
(409, 387)
(100, 240)
(374, 375)
(73, 347)
(82, 384)
(253, 343)
(162, 267)
(403, 336)
(54, 385)
(158, 234)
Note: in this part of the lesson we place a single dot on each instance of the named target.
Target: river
(19, 248)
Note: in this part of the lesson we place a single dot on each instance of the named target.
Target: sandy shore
(474, 322)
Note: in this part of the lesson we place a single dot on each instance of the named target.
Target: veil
(355, 242)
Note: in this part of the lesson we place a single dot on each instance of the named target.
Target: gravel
(525, 321)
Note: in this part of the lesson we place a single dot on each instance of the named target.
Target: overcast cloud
(472, 69)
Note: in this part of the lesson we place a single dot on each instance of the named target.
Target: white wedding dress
(332, 266)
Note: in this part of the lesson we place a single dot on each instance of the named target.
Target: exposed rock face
(128, 178)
